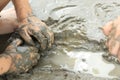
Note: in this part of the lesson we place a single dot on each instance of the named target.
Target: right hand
(33, 26)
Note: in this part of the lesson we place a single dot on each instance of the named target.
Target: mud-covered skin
(111, 58)
(39, 30)
(29, 25)
(23, 57)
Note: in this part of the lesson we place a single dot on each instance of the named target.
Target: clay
(76, 28)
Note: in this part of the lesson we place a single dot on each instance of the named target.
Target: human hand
(34, 27)
(112, 31)
(23, 57)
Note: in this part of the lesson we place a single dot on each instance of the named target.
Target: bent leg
(8, 24)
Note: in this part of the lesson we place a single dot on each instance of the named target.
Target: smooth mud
(79, 41)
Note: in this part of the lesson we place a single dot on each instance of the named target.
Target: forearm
(3, 3)
(22, 8)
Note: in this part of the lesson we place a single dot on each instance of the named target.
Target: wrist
(25, 20)
(23, 16)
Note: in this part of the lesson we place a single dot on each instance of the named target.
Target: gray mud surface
(79, 41)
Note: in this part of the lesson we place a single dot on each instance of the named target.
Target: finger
(41, 39)
(31, 52)
(114, 43)
(49, 35)
(107, 43)
(117, 33)
(50, 38)
(24, 34)
(14, 44)
(107, 28)
(114, 48)
(34, 57)
(111, 40)
(110, 45)
(17, 42)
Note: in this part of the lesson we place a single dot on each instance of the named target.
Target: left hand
(23, 57)
(112, 31)
(34, 27)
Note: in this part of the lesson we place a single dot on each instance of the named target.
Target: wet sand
(79, 41)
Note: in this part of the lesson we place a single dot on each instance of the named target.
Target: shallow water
(82, 61)
(78, 37)
(76, 24)
(93, 63)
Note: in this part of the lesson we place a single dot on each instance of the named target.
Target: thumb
(14, 44)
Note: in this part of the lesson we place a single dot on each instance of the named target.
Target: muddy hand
(23, 57)
(112, 31)
(34, 27)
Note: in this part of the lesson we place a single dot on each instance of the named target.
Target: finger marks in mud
(62, 7)
(107, 10)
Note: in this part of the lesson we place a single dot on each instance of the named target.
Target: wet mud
(79, 41)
